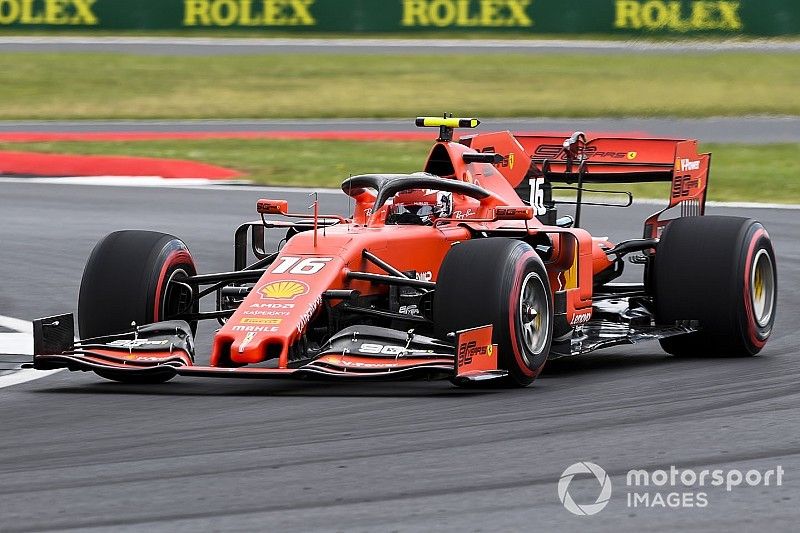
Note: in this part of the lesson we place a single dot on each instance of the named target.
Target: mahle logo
(588, 509)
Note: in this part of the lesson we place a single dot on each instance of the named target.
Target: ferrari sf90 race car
(463, 271)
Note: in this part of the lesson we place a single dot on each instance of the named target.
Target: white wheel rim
(533, 315)
(762, 287)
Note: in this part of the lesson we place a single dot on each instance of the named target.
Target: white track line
(126, 181)
(21, 342)
(152, 181)
(22, 326)
(25, 375)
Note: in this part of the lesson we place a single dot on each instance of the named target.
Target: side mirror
(482, 157)
(266, 206)
(513, 213)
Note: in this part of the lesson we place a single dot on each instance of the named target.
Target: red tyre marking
(175, 257)
(752, 331)
(512, 318)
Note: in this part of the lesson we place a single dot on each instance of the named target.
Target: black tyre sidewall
(479, 283)
(125, 280)
(702, 272)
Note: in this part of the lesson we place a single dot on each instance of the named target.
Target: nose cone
(277, 311)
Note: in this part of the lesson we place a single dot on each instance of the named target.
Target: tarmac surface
(81, 453)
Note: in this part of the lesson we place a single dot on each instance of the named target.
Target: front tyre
(721, 272)
(501, 282)
(129, 278)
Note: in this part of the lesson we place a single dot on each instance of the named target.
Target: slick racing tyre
(719, 271)
(128, 279)
(501, 282)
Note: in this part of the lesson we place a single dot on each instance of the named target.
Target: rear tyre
(128, 279)
(721, 272)
(501, 282)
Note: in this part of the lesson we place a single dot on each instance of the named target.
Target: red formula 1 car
(463, 271)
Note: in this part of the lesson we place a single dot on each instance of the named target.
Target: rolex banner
(608, 17)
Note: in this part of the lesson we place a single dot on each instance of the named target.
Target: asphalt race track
(79, 452)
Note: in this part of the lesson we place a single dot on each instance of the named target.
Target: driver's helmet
(419, 206)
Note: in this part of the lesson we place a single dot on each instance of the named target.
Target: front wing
(166, 349)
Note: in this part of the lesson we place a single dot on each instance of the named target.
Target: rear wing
(576, 160)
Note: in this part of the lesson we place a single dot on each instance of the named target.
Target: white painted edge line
(157, 182)
(237, 186)
(22, 343)
(753, 205)
(753, 44)
(25, 375)
(22, 326)
(121, 181)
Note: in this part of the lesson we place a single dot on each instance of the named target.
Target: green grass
(754, 173)
(85, 86)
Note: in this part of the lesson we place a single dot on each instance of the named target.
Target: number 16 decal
(537, 196)
(304, 267)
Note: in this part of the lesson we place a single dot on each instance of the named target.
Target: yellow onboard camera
(446, 125)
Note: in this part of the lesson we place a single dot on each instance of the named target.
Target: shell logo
(283, 290)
